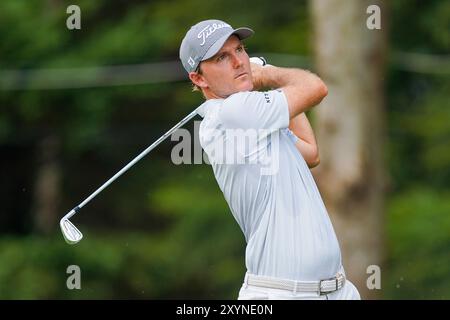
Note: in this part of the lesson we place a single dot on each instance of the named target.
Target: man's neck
(210, 95)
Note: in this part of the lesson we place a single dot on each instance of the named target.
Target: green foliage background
(165, 231)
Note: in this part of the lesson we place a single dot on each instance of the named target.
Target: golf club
(71, 234)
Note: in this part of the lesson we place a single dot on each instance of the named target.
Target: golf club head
(71, 234)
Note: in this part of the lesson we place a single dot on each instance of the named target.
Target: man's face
(227, 72)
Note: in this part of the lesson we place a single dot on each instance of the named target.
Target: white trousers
(347, 292)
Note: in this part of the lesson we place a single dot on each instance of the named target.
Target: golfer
(261, 148)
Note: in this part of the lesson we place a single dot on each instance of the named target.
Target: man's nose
(237, 61)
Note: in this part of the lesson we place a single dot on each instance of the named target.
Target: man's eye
(240, 49)
(221, 57)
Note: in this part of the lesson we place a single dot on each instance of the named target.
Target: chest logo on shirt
(266, 96)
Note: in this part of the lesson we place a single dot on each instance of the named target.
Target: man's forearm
(277, 77)
(301, 127)
(302, 89)
(306, 144)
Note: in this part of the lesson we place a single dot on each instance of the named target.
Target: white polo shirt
(269, 187)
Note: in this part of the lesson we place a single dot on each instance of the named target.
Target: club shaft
(133, 162)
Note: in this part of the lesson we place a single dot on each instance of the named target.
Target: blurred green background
(164, 230)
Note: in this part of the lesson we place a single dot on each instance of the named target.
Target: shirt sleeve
(256, 110)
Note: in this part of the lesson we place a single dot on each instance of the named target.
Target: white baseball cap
(205, 39)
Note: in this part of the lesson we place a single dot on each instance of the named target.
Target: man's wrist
(267, 76)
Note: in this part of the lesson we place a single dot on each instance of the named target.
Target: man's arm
(303, 89)
(306, 143)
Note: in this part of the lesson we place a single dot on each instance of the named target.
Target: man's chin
(247, 86)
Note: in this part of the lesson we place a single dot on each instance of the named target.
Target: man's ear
(198, 79)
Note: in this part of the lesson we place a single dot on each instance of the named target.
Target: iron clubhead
(71, 234)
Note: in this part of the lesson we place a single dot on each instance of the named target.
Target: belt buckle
(333, 278)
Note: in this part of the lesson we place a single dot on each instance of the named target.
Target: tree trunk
(350, 58)
(47, 187)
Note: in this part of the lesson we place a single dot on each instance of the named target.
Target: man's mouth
(241, 74)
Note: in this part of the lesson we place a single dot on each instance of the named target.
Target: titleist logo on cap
(209, 30)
